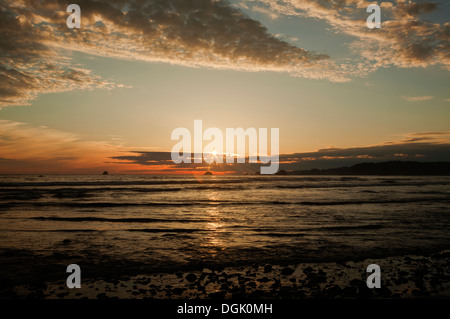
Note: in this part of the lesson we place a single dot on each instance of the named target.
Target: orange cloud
(417, 98)
(41, 150)
(26, 149)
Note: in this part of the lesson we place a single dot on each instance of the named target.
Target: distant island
(384, 168)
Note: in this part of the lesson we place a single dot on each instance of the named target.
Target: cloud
(417, 98)
(411, 9)
(428, 152)
(404, 39)
(426, 146)
(29, 149)
(36, 43)
(435, 137)
(41, 150)
(267, 12)
(418, 146)
(28, 66)
(156, 160)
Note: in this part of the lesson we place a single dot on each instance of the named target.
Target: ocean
(180, 222)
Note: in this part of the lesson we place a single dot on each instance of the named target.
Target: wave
(430, 193)
(219, 188)
(62, 193)
(383, 184)
(127, 183)
(283, 234)
(228, 203)
(95, 181)
(304, 231)
(100, 204)
(119, 220)
(51, 230)
(28, 194)
(350, 227)
(67, 192)
(166, 230)
(388, 201)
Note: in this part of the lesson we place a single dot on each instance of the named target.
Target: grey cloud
(189, 32)
(418, 139)
(29, 67)
(329, 158)
(146, 158)
(430, 133)
(415, 9)
(323, 158)
(204, 33)
(404, 40)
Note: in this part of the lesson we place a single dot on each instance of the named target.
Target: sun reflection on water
(214, 227)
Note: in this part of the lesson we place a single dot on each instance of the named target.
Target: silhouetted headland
(385, 168)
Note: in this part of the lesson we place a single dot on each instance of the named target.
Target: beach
(401, 277)
(279, 237)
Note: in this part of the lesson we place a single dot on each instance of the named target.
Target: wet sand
(401, 277)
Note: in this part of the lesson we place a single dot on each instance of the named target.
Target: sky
(108, 95)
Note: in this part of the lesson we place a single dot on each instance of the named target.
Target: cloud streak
(417, 98)
(28, 149)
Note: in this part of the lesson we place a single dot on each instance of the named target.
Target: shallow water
(178, 220)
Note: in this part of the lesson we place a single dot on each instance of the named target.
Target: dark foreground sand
(401, 277)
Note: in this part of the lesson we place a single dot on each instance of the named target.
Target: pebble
(268, 268)
(178, 291)
(287, 271)
(191, 277)
(263, 279)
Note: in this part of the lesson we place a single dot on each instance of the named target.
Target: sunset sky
(107, 96)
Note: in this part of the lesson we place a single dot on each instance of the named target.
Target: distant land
(383, 168)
